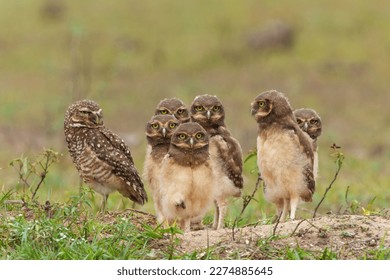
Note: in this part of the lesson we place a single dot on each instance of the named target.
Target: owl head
(309, 121)
(207, 110)
(84, 113)
(174, 107)
(160, 129)
(270, 105)
(190, 137)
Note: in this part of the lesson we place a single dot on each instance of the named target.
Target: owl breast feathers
(285, 155)
(187, 177)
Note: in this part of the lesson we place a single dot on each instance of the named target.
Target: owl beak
(97, 120)
(191, 142)
(208, 115)
(305, 126)
(164, 132)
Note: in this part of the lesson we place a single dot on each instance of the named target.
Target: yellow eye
(163, 112)
(199, 108)
(155, 125)
(217, 108)
(180, 111)
(199, 135)
(172, 125)
(261, 103)
(182, 136)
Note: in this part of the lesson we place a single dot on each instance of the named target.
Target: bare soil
(346, 236)
(349, 236)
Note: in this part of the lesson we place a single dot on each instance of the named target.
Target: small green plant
(32, 173)
(339, 159)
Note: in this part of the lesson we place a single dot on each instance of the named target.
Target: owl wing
(111, 149)
(305, 143)
(230, 153)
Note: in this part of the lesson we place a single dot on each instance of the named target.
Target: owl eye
(182, 136)
(180, 111)
(172, 125)
(314, 121)
(199, 108)
(261, 103)
(299, 121)
(163, 112)
(199, 135)
(155, 125)
(217, 108)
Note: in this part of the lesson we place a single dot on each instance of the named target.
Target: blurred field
(127, 55)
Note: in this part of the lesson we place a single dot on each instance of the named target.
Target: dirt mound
(347, 236)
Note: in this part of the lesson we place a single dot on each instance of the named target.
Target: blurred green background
(333, 56)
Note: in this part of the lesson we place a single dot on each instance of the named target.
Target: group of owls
(193, 161)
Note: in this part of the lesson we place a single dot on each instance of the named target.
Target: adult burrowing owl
(310, 122)
(159, 131)
(175, 107)
(101, 157)
(284, 153)
(187, 176)
(225, 151)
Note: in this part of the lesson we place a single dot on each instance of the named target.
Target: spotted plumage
(159, 131)
(102, 158)
(284, 153)
(174, 107)
(225, 151)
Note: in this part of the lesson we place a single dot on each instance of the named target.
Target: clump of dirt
(349, 236)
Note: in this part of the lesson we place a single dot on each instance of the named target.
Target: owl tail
(135, 192)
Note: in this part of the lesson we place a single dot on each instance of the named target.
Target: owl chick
(225, 152)
(187, 176)
(310, 122)
(159, 131)
(284, 153)
(101, 157)
(175, 107)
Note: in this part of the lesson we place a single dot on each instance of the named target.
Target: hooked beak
(191, 142)
(97, 120)
(164, 132)
(208, 115)
(305, 126)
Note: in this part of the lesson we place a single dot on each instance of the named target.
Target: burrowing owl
(225, 151)
(159, 131)
(310, 122)
(284, 153)
(187, 176)
(101, 157)
(175, 107)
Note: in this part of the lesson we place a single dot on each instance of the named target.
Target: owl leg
(185, 225)
(216, 215)
(293, 207)
(104, 203)
(283, 211)
(222, 205)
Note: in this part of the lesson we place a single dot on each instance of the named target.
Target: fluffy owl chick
(187, 176)
(174, 107)
(159, 131)
(284, 153)
(225, 151)
(310, 122)
(101, 157)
